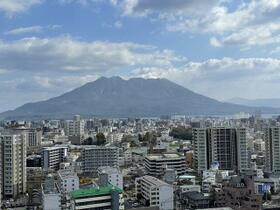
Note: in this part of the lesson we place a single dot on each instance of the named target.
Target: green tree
(150, 138)
(181, 132)
(100, 139)
(88, 141)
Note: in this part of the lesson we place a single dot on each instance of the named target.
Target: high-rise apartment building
(227, 146)
(272, 149)
(13, 164)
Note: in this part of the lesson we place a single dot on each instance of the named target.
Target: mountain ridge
(136, 97)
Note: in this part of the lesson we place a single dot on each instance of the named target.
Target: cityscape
(169, 162)
(139, 105)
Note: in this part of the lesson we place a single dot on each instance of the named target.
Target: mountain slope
(115, 97)
(267, 102)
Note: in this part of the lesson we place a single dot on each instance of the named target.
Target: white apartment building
(53, 156)
(156, 164)
(75, 127)
(94, 157)
(68, 180)
(272, 149)
(155, 192)
(200, 156)
(110, 175)
(227, 146)
(13, 164)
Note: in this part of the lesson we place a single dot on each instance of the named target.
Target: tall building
(227, 146)
(156, 164)
(272, 149)
(201, 153)
(155, 192)
(53, 156)
(75, 127)
(94, 157)
(13, 164)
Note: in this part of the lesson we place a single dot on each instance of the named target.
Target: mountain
(116, 97)
(268, 102)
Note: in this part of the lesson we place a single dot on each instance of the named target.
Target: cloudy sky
(219, 48)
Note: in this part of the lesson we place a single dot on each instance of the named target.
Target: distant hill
(268, 102)
(116, 97)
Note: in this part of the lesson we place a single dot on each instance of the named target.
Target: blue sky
(219, 48)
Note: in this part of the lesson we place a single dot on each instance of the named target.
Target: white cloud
(11, 7)
(22, 30)
(30, 29)
(68, 54)
(216, 43)
(221, 78)
(145, 7)
(253, 22)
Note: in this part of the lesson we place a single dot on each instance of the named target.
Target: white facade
(13, 164)
(69, 181)
(242, 149)
(74, 127)
(272, 149)
(226, 145)
(157, 192)
(156, 164)
(110, 175)
(53, 156)
(200, 149)
(51, 201)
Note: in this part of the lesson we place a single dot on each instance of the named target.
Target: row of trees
(100, 140)
(179, 132)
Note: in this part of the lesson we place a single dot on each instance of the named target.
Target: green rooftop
(83, 193)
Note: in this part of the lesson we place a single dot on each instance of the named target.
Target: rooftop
(195, 196)
(108, 170)
(82, 193)
(163, 156)
(66, 173)
(154, 181)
